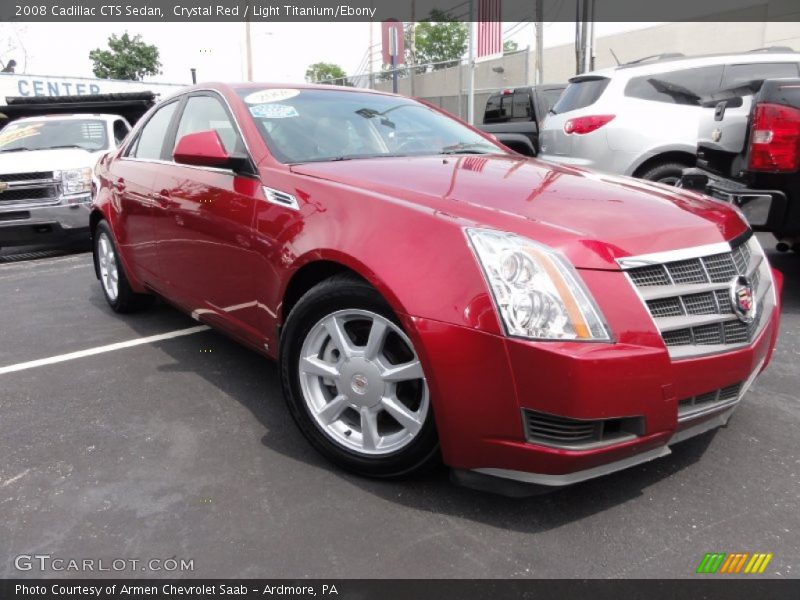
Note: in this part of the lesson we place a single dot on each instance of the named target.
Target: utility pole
(584, 36)
(471, 66)
(539, 28)
(412, 40)
(369, 53)
(248, 49)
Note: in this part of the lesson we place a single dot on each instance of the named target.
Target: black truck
(748, 153)
(513, 116)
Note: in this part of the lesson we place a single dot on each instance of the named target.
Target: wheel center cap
(359, 383)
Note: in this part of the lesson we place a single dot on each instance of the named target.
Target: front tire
(354, 383)
(116, 289)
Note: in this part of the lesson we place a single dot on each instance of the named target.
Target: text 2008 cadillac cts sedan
(430, 295)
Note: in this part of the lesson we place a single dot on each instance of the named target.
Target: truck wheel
(119, 295)
(668, 173)
(354, 383)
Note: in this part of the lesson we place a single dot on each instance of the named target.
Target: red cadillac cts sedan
(429, 294)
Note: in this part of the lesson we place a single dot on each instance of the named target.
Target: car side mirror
(205, 149)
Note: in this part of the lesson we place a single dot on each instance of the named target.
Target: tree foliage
(322, 71)
(440, 39)
(127, 58)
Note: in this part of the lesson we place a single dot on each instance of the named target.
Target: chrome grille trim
(688, 295)
(24, 190)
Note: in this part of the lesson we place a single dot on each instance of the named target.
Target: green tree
(440, 39)
(323, 71)
(510, 46)
(127, 58)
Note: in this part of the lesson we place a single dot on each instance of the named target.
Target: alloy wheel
(107, 262)
(363, 383)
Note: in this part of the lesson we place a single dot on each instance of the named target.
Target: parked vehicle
(641, 118)
(427, 293)
(514, 116)
(46, 168)
(748, 153)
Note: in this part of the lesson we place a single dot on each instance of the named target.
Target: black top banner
(738, 588)
(401, 10)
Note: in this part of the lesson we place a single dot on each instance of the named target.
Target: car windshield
(47, 134)
(308, 125)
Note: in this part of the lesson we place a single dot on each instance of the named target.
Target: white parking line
(101, 349)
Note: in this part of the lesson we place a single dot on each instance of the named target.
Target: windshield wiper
(22, 149)
(65, 146)
(465, 148)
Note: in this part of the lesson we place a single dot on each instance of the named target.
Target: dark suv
(748, 153)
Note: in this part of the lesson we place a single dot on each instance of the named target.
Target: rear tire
(116, 289)
(341, 357)
(668, 173)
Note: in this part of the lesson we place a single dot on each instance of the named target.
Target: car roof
(255, 85)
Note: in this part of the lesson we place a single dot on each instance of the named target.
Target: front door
(204, 227)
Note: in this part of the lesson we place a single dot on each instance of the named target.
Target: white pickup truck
(46, 170)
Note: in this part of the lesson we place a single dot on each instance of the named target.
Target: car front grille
(689, 297)
(710, 401)
(29, 189)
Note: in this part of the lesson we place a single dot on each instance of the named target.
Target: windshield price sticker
(264, 96)
(273, 111)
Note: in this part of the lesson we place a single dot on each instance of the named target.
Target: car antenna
(614, 55)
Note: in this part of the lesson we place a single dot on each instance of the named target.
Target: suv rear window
(580, 94)
(687, 86)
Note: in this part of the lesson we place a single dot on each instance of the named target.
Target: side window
(522, 106)
(738, 74)
(492, 112)
(120, 131)
(688, 86)
(505, 107)
(151, 138)
(206, 112)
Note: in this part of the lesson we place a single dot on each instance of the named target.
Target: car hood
(47, 160)
(592, 218)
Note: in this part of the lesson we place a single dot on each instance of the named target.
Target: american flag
(473, 163)
(490, 29)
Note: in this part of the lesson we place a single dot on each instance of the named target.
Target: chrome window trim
(180, 98)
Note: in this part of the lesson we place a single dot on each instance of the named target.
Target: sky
(281, 51)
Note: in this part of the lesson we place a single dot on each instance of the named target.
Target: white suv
(46, 171)
(641, 118)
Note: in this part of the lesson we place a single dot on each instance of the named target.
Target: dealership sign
(46, 85)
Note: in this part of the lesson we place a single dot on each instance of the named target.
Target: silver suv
(641, 118)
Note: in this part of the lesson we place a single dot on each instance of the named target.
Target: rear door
(131, 179)
(204, 230)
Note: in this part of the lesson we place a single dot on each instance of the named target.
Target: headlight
(76, 181)
(537, 292)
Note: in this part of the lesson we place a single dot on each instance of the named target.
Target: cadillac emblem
(743, 299)
(716, 135)
(3, 186)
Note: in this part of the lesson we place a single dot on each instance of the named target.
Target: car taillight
(775, 139)
(581, 125)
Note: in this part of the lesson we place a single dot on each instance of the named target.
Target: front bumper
(24, 225)
(481, 383)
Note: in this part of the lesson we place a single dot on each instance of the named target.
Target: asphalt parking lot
(182, 449)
